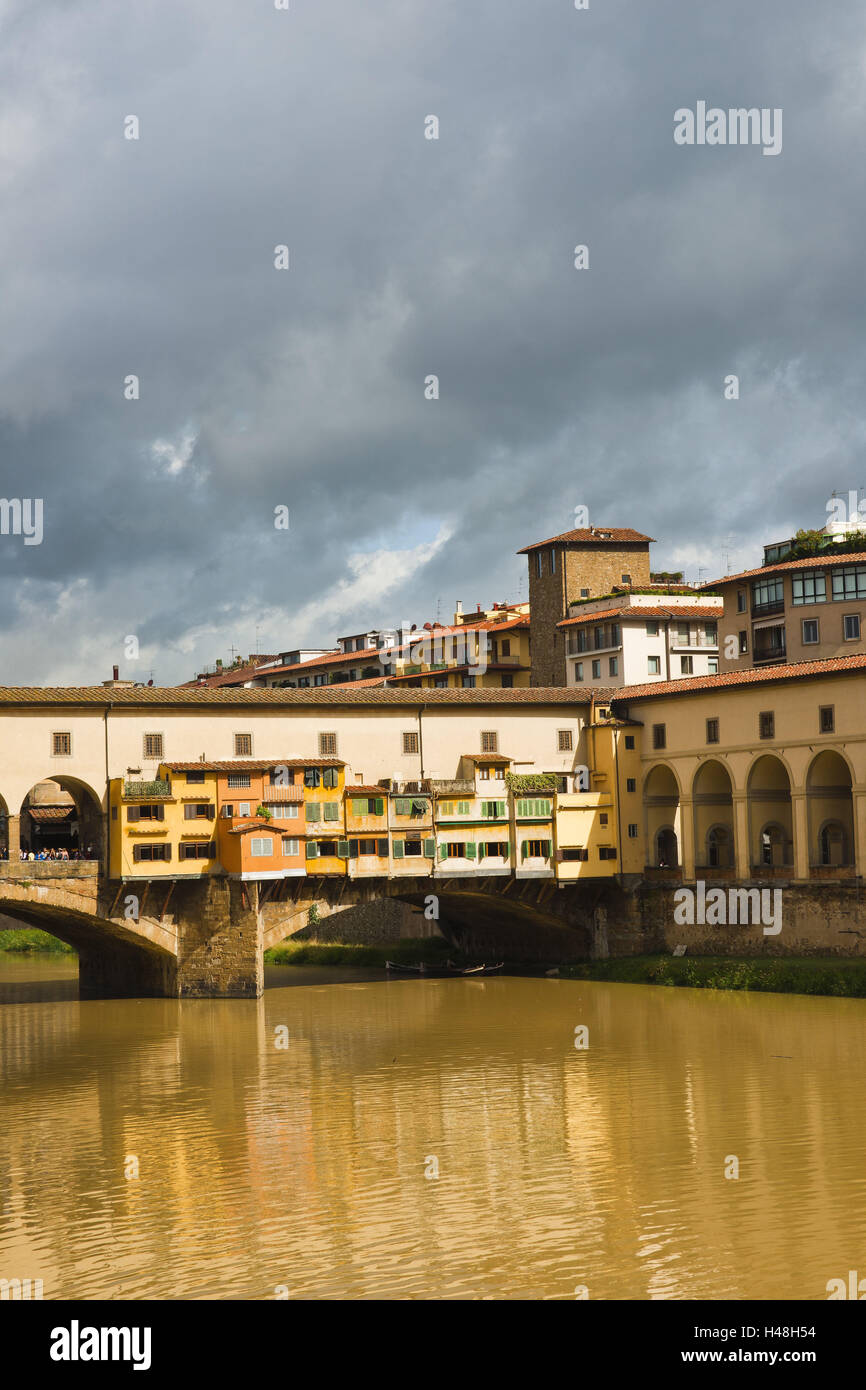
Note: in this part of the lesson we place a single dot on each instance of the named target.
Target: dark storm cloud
(408, 257)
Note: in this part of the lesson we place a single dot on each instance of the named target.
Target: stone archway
(661, 799)
(771, 822)
(61, 816)
(830, 809)
(712, 793)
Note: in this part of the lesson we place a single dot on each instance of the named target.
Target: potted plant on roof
(263, 812)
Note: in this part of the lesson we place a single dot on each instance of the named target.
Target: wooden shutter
(524, 849)
(399, 851)
(189, 813)
(133, 813)
(443, 851)
(331, 810)
(136, 854)
(343, 849)
(353, 849)
(359, 805)
(382, 848)
(470, 850)
(545, 849)
(313, 810)
(311, 850)
(211, 811)
(380, 806)
(429, 849)
(166, 851)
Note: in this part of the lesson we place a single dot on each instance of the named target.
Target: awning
(51, 813)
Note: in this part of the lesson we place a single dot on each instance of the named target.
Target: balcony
(137, 790)
(766, 610)
(765, 655)
(456, 786)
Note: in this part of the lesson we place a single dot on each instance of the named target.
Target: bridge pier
(219, 944)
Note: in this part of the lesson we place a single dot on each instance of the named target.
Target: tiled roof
(253, 764)
(332, 659)
(698, 610)
(810, 562)
(259, 823)
(592, 535)
(23, 696)
(487, 758)
(798, 670)
(366, 789)
(366, 683)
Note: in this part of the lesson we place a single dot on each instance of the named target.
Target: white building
(631, 639)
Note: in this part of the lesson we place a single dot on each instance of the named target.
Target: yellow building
(164, 828)
(599, 825)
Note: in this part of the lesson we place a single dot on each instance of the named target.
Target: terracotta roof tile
(798, 670)
(593, 535)
(253, 764)
(698, 610)
(812, 562)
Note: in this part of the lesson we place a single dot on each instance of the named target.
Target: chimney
(115, 673)
(458, 607)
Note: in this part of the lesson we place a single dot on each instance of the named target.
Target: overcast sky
(408, 257)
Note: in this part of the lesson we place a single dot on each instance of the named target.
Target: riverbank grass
(771, 975)
(30, 939)
(410, 951)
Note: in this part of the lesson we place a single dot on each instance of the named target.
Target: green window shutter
(524, 849)
(313, 810)
(401, 806)
(342, 849)
(399, 852)
(547, 849)
(382, 848)
(311, 850)
(521, 808)
(501, 805)
(331, 810)
(443, 851)
(353, 849)
(481, 851)
(380, 805)
(470, 850)
(359, 807)
(508, 849)
(429, 849)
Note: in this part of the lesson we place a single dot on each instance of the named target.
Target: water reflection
(305, 1167)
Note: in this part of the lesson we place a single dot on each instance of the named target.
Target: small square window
(61, 745)
(744, 642)
(810, 631)
(154, 746)
(613, 666)
(851, 623)
(712, 731)
(596, 670)
(565, 740)
(652, 629)
(629, 740)
(659, 736)
(578, 670)
(631, 784)
(243, 745)
(632, 832)
(626, 578)
(767, 724)
(686, 665)
(327, 745)
(584, 593)
(827, 719)
(410, 741)
(489, 741)
(654, 666)
(741, 600)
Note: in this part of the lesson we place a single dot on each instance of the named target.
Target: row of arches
(770, 815)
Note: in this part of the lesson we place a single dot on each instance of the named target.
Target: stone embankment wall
(377, 923)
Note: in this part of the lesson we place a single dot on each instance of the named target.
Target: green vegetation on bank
(408, 952)
(29, 939)
(774, 975)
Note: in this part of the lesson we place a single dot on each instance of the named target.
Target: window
(605, 852)
(564, 740)
(154, 746)
(712, 665)
(468, 682)
(767, 724)
(493, 849)
(281, 777)
(569, 855)
(625, 578)
(584, 593)
(489, 741)
(411, 847)
(410, 742)
(596, 670)
(629, 740)
(851, 623)
(505, 646)
(227, 811)
(199, 810)
(508, 682)
(826, 719)
(454, 849)
(602, 818)
(631, 784)
(768, 596)
(151, 812)
(683, 634)
(712, 731)
(244, 808)
(552, 561)
(536, 849)
(809, 586)
(654, 665)
(243, 745)
(327, 745)
(538, 563)
(632, 832)
(849, 581)
(741, 600)
(61, 745)
(194, 777)
(203, 850)
(659, 736)
(613, 666)
(652, 629)
(323, 679)
(282, 810)
(810, 631)
(239, 779)
(686, 666)
(151, 854)
(578, 670)
(744, 642)
(261, 846)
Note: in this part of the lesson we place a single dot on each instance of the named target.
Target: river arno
(304, 1167)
